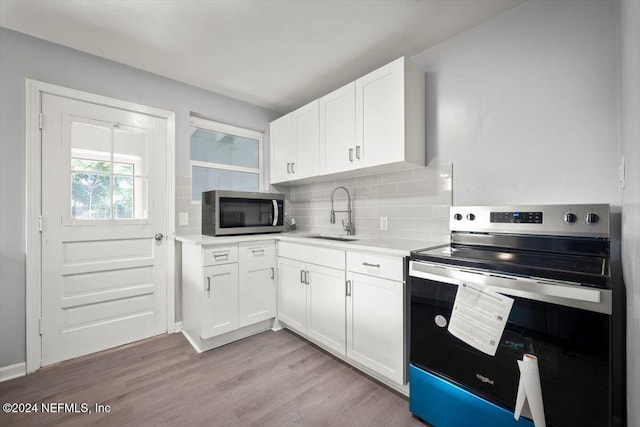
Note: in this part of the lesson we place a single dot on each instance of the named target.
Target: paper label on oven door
(479, 316)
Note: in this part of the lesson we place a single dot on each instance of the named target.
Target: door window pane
(205, 179)
(90, 195)
(108, 172)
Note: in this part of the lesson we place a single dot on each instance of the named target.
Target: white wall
(525, 105)
(23, 57)
(630, 144)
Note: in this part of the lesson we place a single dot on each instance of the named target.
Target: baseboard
(13, 371)
(177, 327)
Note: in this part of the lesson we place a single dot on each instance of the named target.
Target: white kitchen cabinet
(228, 292)
(310, 295)
(292, 294)
(306, 135)
(338, 130)
(375, 313)
(219, 311)
(390, 115)
(377, 121)
(283, 148)
(295, 144)
(326, 306)
(257, 282)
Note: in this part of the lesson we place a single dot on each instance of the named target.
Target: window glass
(108, 172)
(218, 147)
(224, 158)
(205, 179)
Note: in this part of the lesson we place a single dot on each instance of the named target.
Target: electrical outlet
(184, 218)
(384, 223)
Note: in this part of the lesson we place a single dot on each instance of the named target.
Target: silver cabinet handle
(293, 169)
(351, 154)
(220, 256)
(208, 283)
(257, 252)
(302, 276)
(371, 265)
(358, 152)
(288, 167)
(273, 273)
(348, 288)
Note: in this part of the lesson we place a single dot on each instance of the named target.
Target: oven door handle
(525, 288)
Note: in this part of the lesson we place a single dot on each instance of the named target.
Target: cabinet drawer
(216, 255)
(316, 255)
(256, 251)
(385, 266)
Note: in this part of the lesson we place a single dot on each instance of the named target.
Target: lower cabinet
(228, 292)
(219, 301)
(353, 306)
(257, 285)
(292, 294)
(311, 301)
(375, 324)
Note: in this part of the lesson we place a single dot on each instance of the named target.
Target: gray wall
(525, 105)
(27, 57)
(630, 142)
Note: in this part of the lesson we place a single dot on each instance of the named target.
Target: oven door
(572, 345)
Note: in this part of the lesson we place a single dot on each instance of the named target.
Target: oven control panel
(516, 217)
(554, 220)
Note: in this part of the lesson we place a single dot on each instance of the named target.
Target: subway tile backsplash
(415, 201)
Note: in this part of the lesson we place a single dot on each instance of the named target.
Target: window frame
(214, 126)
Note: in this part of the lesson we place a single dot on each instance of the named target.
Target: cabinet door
(375, 324)
(380, 115)
(219, 303)
(292, 294)
(338, 130)
(326, 310)
(257, 290)
(306, 135)
(283, 149)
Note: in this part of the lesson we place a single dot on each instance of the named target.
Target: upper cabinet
(295, 149)
(378, 120)
(338, 130)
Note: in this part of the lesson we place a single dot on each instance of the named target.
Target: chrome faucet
(348, 226)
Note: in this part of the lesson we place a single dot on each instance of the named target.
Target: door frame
(33, 202)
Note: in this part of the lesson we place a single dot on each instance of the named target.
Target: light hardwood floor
(270, 379)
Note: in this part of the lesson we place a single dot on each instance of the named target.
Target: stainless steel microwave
(238, 212)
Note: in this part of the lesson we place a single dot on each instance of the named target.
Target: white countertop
(364, 243)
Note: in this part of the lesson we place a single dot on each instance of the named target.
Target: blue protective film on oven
(443, 404)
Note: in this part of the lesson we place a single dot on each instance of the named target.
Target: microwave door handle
(276, 212)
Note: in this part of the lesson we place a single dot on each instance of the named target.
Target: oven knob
(457, 217)
(570, 218)
(591, 218)
(471, 217)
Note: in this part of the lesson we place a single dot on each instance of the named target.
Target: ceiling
(277, 54)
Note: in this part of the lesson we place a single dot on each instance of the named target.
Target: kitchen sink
(336, 238)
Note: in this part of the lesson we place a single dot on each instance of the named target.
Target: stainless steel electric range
(559, 264)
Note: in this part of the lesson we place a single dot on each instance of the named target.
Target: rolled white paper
(530, 391)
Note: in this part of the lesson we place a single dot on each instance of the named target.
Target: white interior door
(103, 206)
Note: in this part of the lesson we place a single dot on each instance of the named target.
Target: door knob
(158, 236)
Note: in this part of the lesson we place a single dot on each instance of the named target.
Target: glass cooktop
(586, 270)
